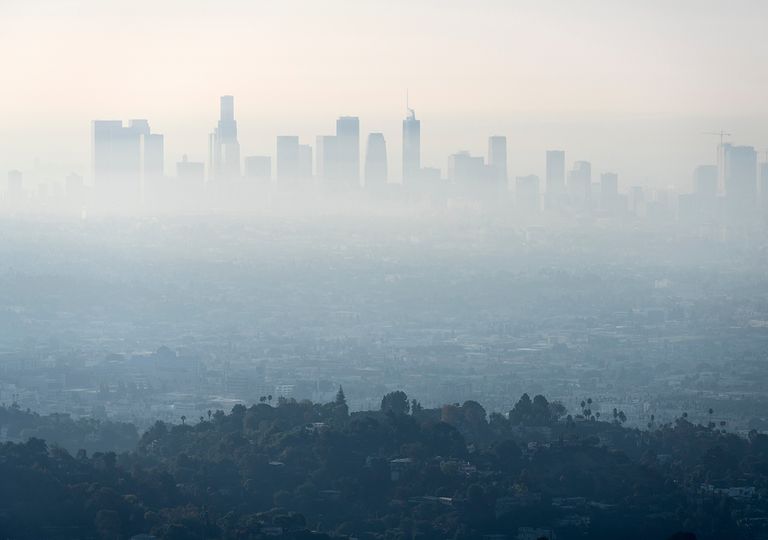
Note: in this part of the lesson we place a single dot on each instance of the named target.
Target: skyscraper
(740, 178)
(555, 181)
(327, 161)
(764, 187)
(348, 150)
(152, 157)
(224, 147)
(411, 147)
(305, 162)
(497, 158)
(376, 162)
(338, 156)
(287, 158)
(464, 168)
(125, 158)
(116, 156)
(580, 183)
(151, 146)
(470, 176)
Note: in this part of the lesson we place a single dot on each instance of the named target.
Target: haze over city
(366, 270)
(629, 87)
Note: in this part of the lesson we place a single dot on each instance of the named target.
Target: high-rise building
(764, 187)
(287, 157)
(464, 168)
(527, 193)
(125, 158)
(470, 176)
(116, 156)
(327, 161)
(348, 150)
(740, 178)
(555, 180)
(376, 161)
(580, 183)
(223, 145)
(411, 147)
(152, 157)
(305, 162)
(497, 158)
(338, 156)
(151, 146)
(258, 169)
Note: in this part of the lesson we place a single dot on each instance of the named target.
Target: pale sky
(628, 85)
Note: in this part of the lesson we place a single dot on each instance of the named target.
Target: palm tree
(183, 419)
(341, 399)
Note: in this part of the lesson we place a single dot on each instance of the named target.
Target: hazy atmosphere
(367, 270)
(629, 85)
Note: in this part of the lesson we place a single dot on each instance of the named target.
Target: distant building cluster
(129, 171)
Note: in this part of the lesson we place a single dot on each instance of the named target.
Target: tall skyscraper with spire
(224, 148)
(411, 147)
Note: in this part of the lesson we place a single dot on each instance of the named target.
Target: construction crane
(722, 134)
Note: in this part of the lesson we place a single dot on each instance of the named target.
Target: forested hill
(302, 470)
(89, 434)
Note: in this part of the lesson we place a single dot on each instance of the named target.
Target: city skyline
(128, 173)
(475, 142)
(384, 270)
(547, 75)
(224, 152)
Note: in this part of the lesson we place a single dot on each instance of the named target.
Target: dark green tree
(395, 402)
